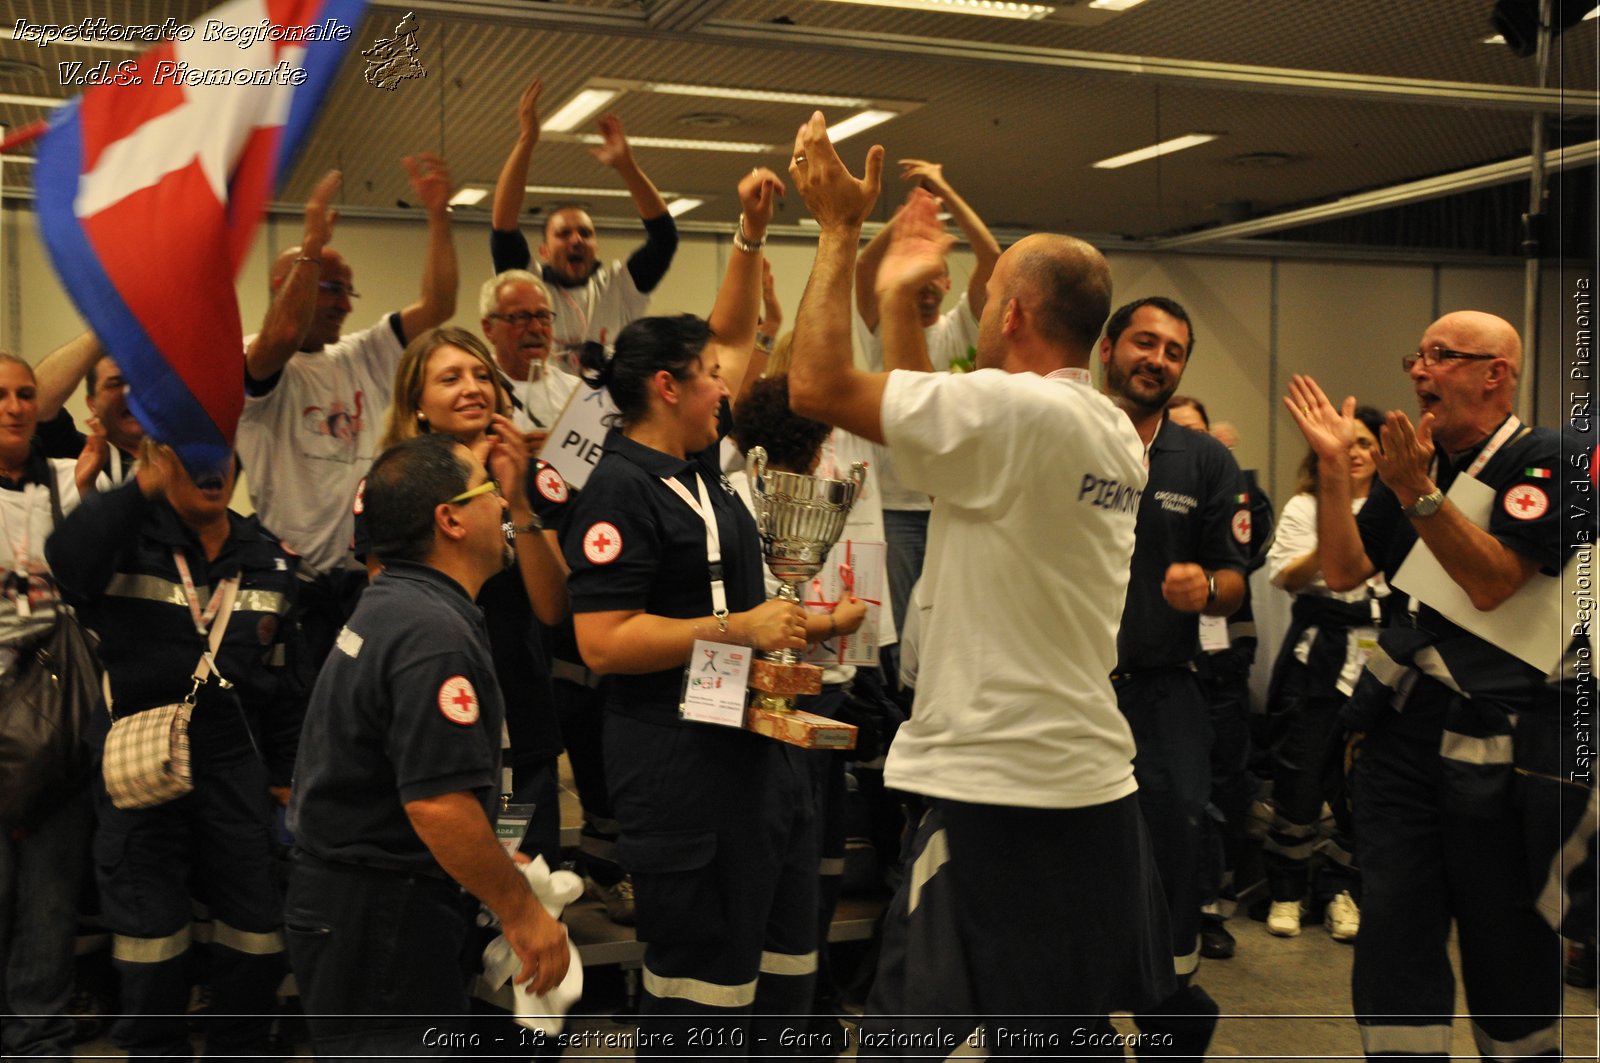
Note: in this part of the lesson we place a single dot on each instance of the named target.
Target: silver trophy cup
(800, 518)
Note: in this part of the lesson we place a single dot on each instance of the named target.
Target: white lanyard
(19, 547)
(719, 594)
(202, 621)
(1497, 441)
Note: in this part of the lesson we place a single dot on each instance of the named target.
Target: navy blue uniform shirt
(632, 543)
(1190, 512)
(406, 708)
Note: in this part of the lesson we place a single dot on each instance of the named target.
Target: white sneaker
(1284, 919)
(1343, 918)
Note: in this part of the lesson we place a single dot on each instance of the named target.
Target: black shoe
(1215, 941)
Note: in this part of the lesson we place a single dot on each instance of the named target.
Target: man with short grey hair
(517, 322)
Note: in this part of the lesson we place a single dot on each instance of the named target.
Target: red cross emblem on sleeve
(1526, 502)
(1241, 527)
(458, 701)
(602, 543)
(551, 485)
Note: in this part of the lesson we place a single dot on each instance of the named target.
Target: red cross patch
(602, 543)
(551, 485)
(1241, 527)
(458, 701)
(1526, 502)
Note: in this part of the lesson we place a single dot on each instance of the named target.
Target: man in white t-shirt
(315, 397)
(948, 335)
(1015, 738)
(315, 400)
(517, 322)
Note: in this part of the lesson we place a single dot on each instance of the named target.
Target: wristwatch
(1211, 588)
(1426, 506)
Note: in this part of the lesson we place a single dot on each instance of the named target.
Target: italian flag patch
(1537, 474)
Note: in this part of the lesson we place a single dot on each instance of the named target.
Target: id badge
(716, 684)
(511, 825)
(1364, 648)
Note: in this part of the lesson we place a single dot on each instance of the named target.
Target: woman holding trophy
(716, 822)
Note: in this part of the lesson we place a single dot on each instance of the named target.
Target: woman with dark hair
(1330, 635)
(716, 823)
(40, 863)
(445, 383)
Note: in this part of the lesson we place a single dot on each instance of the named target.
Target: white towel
(546, 1013)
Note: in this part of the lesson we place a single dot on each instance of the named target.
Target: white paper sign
(577, 439)
(865, 561)
(715, 684)
(1526, 625)
(1214, 634)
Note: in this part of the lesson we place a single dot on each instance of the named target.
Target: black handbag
(46, 702)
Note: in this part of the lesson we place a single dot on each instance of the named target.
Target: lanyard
(202, 622)
(719, 595)
(1498, 440)
(19, 547)
(583, 313)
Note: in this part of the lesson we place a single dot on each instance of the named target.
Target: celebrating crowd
(389, 657)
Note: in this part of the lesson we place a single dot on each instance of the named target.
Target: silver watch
(1426, 506)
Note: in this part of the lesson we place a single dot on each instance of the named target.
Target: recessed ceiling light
(682, 206)
(858, 123)
(468, 196)
(585, 105)
(1166, 147)
(686, 144)
(723, 92)
(1495, 39)
(1114, 5)
(992, 8)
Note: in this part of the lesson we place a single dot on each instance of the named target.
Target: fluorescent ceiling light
(1114, 5)
(469, 197)
(857, 123)
(721, 92)
(687, 144)
(31, 101)
(682, 206)
(571, 190)
(579, 109)
(12, 160)
(992, 8)
(1166, 147)
(1594, 12)
(1496, 39)
(83, 42)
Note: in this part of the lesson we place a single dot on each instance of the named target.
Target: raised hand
(1331, 432)
(928, 175)
(613, 150)
(917, 246)
(835, 197)
(1405, 460)
(759, 192)
(528, 111)
(320, 216)
(430, 180)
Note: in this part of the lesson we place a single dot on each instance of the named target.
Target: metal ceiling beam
(1239, 76)
(1496, 173)
(681, 15)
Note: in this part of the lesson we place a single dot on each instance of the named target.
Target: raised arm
(615, 153)
(915, 256)
(867, 276)
(1331, 432)
(733, 319)
(62, 370)
(436, 304)
(824, 383)
(984, 246)
(1487, 569)
(544, 574)
(511, 188)
(294, 299)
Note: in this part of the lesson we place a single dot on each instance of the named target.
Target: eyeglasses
(473, 492)
(522, 319)
(338, 289)
(1435, 355)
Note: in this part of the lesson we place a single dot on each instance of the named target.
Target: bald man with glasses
(1460, 790)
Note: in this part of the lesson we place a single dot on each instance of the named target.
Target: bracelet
(534, 524)
(743, 242)
(722, 620)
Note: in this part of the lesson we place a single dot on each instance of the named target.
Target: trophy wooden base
(804, 729)
(784, 680)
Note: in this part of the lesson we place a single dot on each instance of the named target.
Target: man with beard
(591, 301)
(517, 321)
(1188, 560)
(396, 785)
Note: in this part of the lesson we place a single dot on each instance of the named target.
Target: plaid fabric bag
(146, 760)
